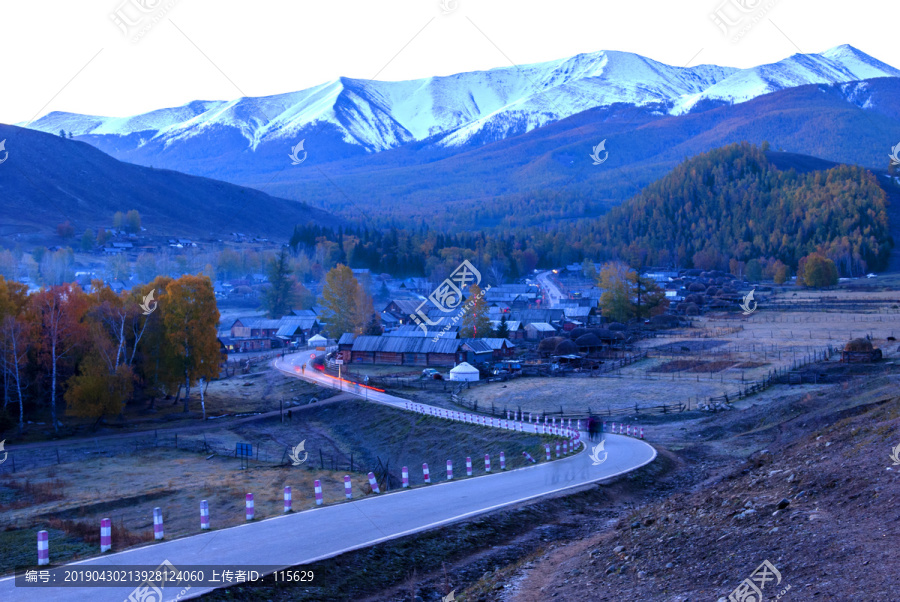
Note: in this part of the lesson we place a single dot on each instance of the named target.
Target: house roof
(541, 326)
(405, 344)
(347, 338)
(464, 368)
(512, 325)
(406, 306)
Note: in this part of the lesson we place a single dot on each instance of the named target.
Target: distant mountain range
(347, 117)
(509, 147)
(46, 180)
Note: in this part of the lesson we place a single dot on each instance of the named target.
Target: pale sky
(69, 55)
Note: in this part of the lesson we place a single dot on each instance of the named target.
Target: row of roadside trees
(87, 354)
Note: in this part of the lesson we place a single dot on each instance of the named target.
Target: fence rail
(265, 452)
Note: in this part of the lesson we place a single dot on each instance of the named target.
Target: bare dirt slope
(820, 502)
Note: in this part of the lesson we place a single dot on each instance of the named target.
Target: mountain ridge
(347, 117)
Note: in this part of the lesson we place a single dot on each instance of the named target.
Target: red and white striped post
(557, 450)
(468, 466)
(529, 417)
(565, 448)
(373, 483)
(547, 447)
(318, 486)
(204, 515)
(348, 489)
(502, 461)
(288, 499)
(507, 414)
(251, 512)
(487, 463)
(527, 455)
(105, 535)
(642, 432)
(157, 523)
(405, 474)
(449, 469)
(43, 548)
(425, 473)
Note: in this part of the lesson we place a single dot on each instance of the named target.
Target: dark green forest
(725, 206)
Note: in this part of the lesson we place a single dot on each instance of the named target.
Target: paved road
(551, 291)
(307, 537)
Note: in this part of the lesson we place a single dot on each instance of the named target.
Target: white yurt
(318, 341)
(464, 371)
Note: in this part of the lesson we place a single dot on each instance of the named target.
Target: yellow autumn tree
(190, 320)
(341, 296)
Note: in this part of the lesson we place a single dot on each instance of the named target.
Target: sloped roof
(405, 344)
(542, 327)
(347, 338)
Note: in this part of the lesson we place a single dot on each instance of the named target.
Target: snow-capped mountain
(347, 116)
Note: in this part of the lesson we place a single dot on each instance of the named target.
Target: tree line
(87, 354)
(717, 210)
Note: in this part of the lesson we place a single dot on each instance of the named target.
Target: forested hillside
(733, 203)
(728, 205)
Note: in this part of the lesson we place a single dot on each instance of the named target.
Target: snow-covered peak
(454, 110)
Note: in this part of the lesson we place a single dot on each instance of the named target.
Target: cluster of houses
(259, 334)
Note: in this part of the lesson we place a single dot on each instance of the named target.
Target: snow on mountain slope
(840, 64)
(451, 111)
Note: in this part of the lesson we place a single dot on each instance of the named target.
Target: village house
(420, 351)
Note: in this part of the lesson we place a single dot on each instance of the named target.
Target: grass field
(720, 356)
(69, 499)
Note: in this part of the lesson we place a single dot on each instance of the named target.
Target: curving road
(306, 537)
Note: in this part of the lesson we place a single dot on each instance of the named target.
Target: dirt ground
(70, 498)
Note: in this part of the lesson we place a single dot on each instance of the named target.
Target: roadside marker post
(318, 486)
(105, 535)
(157, 523)
(425, 473)
(251, 512)
(557, 450)
(373, 483)
(288, 499)
(449, 470)
(468, 466)
(502, 461)
(348, 491)
(405, 474)
(547, 447)
(43, 548)
(204, 515)
(487, 463)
